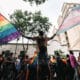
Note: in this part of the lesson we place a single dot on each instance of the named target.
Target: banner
(72, 20)
(8, 31)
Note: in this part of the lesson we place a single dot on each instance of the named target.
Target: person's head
(57, 53)
(26, 56)
(53, 57)
(67, 55)
(3, 52)
(41, 33)
(71, 52)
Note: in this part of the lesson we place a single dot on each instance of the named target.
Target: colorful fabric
(8, 31)
(72, 20)
(73, 61)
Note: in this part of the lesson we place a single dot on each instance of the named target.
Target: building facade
(15, 48)
(71, 38)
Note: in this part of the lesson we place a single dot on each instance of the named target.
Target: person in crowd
(41, 43)
(9, 66)
(52, 64)
(70, 70)
(79, 64)
(17, 64)
(60, 67)
(26, 63)
(74, 65)
(18, 67)
(1, 66)
(32, 70)
(42, 49)
(79, 58)
(23, 68)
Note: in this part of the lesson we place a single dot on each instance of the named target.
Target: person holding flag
(42, 48)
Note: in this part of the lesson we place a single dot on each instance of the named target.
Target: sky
(51, 8)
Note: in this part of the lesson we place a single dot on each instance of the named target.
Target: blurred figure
(24, 68)
(53, 68)
(41, 41)
(17, 64)
(79, 64)
(60, 67)
(9, 66)
(79, 59)
(74, 65)
(70, 70)
(1, 66)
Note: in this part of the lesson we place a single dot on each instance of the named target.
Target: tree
(38, 2)
(30, 23)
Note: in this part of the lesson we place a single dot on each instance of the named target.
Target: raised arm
(49, 38)
(32, 38)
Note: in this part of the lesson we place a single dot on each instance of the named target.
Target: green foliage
(37, 2)
(30, 23)
(21, 20)
(40, 22)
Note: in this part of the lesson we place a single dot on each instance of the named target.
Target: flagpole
(67, 40)
(16, 46)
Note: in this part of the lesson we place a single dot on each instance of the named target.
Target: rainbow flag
(8, 31)
(72, 20)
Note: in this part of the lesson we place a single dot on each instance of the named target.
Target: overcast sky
(51, 8)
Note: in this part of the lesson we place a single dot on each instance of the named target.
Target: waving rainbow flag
(72, 20)
(8, 31)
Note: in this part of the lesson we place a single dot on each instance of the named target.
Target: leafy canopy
(30, 23)
(37, 2)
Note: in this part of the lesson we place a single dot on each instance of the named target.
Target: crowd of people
(25, 68)
(40, 66)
